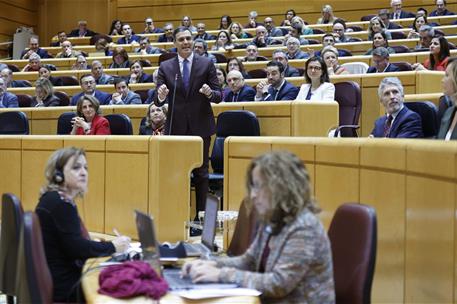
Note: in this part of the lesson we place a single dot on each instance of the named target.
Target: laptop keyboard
(174, 280)
(196, 249)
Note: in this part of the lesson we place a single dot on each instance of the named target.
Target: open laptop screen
(209, 224)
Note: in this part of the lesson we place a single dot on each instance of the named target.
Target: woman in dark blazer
(155, 120)
(44, 94)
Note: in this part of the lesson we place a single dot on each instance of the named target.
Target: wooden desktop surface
(90, 287)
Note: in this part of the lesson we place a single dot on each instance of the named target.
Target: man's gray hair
(34, 56)
(427, 28)
(280, 51)
(293, 39)
(205, 44)
(381, 52)
(394, 81)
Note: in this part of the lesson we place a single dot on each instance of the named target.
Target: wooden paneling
(16, 13)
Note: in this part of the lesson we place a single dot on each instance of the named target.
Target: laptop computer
(151, 254)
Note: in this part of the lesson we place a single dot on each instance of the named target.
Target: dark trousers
(201, 177)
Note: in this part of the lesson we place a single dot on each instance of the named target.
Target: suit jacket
(103, 98)
(105, 79)
(445, 13)
(164, 38)
(9, 100)
(99, 126)
(287, 92)
(192, 112)
(131, 98)
(403, 15)
(123, 40)
(298, 55)
(144, 78)
(20, 84)
(51, 101)
(290, 71)
(206, 36)
(75, 33)
(407, 124)
(446, 121)
(326, 92)
(42, 53)
(393, 26)
(390, 68)
(247, 93)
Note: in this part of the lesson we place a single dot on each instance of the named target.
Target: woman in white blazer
(318, 86)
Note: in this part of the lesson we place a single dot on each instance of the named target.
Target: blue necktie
(185, 74)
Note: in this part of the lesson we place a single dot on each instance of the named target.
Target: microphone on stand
(172, 105)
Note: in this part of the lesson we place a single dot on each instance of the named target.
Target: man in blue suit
(128, 36)
(399, 121)
(381, 62)
(89, 86)
(123, 95)
(7, 75)
(275, 87)
(34, 48)
(238, 91)
(7, 99)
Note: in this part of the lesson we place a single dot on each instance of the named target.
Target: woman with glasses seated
(290, 259)
(317, 86)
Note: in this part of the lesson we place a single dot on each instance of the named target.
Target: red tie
(388, 125)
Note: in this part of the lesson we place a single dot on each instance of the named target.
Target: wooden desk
(90, 287)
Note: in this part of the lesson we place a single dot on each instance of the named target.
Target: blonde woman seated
(44, 94)
(236, 31)
(317, 86)
(88, 120)
(290, 258)
(155, 120)
(330, 56)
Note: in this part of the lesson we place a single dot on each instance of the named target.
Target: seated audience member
(102, 45)
(385, 17)
(421, 12)
(187, 23)
(330, 56)
(61, 36)
(252, 54)
(88, 120)
(298, 21)
(146, 48)
(98, 74)
(7, 75)
(123, 95)
(418, 22)
(293, 49)
(252, 20)
(167, 36)
(318, 86)
(45, 72)
(116, 28)
(238, 90)
(137, 74)
(288, 16)
(272, 30)
(34, 48)
(223, 42)
(329, 40)
(225, 22)
(261, 38)
(290, 259)
(426, 33)
(81, 63)
(155, 120)
(149, 27)
(236, 31)
(399, 121)
(221, 76)
(339, 31)
(7, 99)
(377, 26)
(89, 87)
(276, 87)
(327, 15)
(129, 37)
(236, 64)
(294, 31)
(441, 9)
(281, 56)
(44, 94)
(120, 59)
(448, 128)
(82, 30)
(34, 64)
(67, 51)
(67, 243)
(380, 40)
(202, 34)
(397, 12)
(201, 48)
(439, 56)
(381, 62)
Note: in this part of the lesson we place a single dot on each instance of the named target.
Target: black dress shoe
(195, 231)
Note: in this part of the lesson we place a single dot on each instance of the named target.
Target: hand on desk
(201, 271)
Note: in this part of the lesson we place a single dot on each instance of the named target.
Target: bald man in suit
(189, 111)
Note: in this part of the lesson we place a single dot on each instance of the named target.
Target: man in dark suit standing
(194, 80)
(381, 62)
(237, 90)
(399, 121)
(275, 87)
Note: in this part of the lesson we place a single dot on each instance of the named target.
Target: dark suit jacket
(132, 38)
(191, 110)
(407, 124)
(390, 68)
(290, 71)
(445, 13)
(446, 124)
(20, 84)
(247, 93)
(403, 15)
(41, 52)
(163, 38)
(51, 101)
(75, 33)
(206, 36)
(144, 78)
(393, 26)
(103, 98)
(9, 100)
(287, 92)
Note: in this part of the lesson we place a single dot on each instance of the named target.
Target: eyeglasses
(315, 68)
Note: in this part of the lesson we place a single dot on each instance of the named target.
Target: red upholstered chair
(69, 80)
(367, 17)
(24, 100)
(353, 238)
(64, 98)
(258, 73)
(166, 56)
(349, 99)
(220, 58)
(34, 284)
(12, 214)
